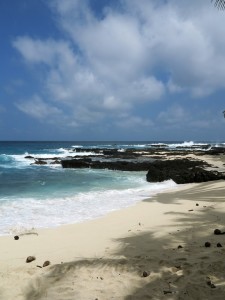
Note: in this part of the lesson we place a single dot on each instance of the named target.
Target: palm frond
(220, 4)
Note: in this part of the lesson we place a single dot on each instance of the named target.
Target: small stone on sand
(217, 231)
(30, 259)
(207, 244)
(16, 237)
(146, 274)
(46, 263)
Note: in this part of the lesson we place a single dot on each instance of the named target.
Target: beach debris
(16, 237)
(30, 259)
(46, 263)
(191, 210)
(218, 245)
(207, 244)
(39, 266)
(145, 274)
(197, 204)
(179, 247)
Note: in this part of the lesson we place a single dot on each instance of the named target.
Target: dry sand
(105, 259)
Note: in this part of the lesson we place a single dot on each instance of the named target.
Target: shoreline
(106, 258)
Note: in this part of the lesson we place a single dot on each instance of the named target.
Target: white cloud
(37, 108)
(174, 115)
(134, 123)
(107, 66)
(48, 51)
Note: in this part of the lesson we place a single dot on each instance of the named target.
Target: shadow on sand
(178, 264)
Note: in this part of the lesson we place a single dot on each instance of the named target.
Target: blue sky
(112, 70)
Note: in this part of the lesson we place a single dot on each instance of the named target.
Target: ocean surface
(42, 196)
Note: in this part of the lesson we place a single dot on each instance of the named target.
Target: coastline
(105, 258)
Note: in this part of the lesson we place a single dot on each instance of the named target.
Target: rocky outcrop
(122, 165)
(181, 171)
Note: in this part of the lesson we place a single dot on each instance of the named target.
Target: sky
(150, 70)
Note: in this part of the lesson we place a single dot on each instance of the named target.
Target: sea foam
(27, 213)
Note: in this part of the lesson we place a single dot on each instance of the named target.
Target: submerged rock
(40, 162)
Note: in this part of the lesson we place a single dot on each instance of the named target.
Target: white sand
(105, 258)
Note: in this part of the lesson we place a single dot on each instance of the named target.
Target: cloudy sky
(112, 70)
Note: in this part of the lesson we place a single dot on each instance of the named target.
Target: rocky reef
(182, 165)
(182, 171)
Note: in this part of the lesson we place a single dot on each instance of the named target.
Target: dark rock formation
(40, 162)
(122, 165)
(181, 171)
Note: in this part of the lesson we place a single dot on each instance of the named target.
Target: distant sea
(43, 196)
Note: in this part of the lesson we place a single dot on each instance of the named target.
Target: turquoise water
(33, 196)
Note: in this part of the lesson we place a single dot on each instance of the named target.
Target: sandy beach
(153, 250)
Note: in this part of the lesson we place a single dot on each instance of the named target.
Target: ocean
(42, 196)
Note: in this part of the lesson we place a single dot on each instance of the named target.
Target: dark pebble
(16, 237)
(219, 245)
(217, 231)
(46, 263)
(197, 204)
(208, 282)
(167, 292)
(30, 259)
(207, 244)
(145, 274)
(179, 247)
